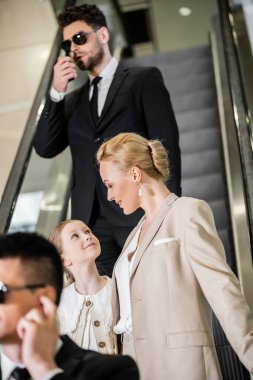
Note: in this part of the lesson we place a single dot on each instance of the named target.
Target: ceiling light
(184, 11)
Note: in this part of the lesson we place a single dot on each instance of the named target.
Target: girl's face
(79, 245)
(121, 187)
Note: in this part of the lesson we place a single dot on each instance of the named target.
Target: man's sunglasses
(79, 38)
(5, 289)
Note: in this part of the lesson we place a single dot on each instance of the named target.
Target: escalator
(204, 104)
(189, 77)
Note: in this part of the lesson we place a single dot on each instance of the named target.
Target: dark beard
(91, 62)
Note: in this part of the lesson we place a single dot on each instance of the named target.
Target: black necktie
(20, 374)
(94, 99)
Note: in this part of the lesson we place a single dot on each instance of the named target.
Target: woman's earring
(140, 191)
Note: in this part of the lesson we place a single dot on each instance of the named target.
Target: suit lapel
(119, 77)
(152, 230)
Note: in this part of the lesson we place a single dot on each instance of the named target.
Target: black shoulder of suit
(79, 363)
(137, 69)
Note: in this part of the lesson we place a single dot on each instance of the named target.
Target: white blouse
(122, 273)
(87, 319)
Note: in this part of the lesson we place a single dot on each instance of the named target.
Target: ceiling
(169, 29)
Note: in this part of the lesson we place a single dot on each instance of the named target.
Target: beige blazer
(178, 275)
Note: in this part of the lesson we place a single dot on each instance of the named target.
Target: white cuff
(56, 96)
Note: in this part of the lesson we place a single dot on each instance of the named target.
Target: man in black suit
(31, 280)
(125, 99)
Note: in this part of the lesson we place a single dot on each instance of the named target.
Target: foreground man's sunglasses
(5, 289)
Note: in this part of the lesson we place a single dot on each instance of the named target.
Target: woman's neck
(153, 198)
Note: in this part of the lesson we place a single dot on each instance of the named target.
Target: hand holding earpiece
(64, 71)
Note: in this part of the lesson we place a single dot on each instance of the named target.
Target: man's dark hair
(90, 14)
(41, 262)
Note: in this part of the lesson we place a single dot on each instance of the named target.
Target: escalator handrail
(239, 104)
(21, 161)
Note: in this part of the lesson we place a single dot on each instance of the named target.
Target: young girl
(85, 308)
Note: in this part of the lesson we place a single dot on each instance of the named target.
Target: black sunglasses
(79, 38)
(4, 289)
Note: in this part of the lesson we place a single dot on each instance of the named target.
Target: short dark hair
(43, 262)
(90, 14)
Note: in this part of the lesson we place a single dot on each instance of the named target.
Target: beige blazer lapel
(152, 230)
(146, 241)
(115, 299)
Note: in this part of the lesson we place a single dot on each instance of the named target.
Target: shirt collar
(7, 365)
(108, 71)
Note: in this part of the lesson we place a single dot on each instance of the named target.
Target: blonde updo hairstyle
(55, 238)
(130, 149)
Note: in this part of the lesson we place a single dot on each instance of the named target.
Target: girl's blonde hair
(130, 149)
(55, 238)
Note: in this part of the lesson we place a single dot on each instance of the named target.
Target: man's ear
(104, 34)
(48, 291)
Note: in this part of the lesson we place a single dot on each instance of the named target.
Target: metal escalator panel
(24, 157)
(25, 47)
(26, 189)
(43, 199)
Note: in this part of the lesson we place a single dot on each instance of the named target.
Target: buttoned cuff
(52, 373)
(56, 96)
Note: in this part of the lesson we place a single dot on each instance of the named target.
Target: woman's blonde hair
(131, 149)
(55, 238)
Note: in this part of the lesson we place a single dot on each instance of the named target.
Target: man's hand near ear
(39, 334)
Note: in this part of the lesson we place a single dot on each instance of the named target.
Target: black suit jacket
(137, 101)
(80, 364)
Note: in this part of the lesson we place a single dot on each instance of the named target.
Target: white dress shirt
(7, 366)
(106, 74)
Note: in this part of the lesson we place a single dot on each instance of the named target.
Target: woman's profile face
(121, 188)
(79, 245)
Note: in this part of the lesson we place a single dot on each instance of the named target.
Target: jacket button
(88, 303)
(101, 344)
(97, 323)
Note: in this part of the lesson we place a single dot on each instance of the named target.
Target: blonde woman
(171, 271)
(85, 308)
